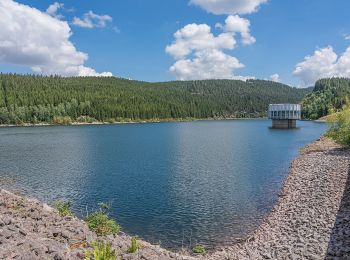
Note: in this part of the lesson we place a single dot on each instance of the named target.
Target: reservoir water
(177, 184)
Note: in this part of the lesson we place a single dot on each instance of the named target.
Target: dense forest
(328, 96)
(54, 99)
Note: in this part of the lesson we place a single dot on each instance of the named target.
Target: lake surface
(204, 182)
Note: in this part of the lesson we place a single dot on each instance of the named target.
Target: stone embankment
(311, 220)
(33, 230)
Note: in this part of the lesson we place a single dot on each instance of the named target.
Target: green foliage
(63, 208)
(199, 249)
(134, 246)
(101, 223)
(328, 96)
(101, 251)
(111, 120)
(62, 120)
(85, 119)
(35, 99)
(340, 126)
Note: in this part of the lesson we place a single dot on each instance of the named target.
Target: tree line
(328, 96)
(50, 99)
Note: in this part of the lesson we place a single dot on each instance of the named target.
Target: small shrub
(86, 119)
(63, 208)
(111, 120)
(134, 246)
(340, 127)
(199, 249)
(101, 251)
(101, 223)
(59, 120)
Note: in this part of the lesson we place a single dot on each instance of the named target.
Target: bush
(134, 246)
(101, 251)
(111, 120)
(101, 223)
(63, 208)
(340, 127)
(86, 119)
(62, 120)
(199, 249)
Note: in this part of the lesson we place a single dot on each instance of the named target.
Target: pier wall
(284, 123)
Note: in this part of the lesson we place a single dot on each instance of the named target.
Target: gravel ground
(309, 221)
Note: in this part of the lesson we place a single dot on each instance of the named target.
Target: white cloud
(229, 6)
(346, 36)
(53, 8)
(91, 20)
(219, 26)
(275, 77)
(200, 55)
(32, 38)
(323, 63)
(207, 64)
(197, 37)
(236, 24)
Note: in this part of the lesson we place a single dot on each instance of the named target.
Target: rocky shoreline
(311, 218)
(309, 221)
(30, 229)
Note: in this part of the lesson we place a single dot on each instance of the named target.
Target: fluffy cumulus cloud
(207, 64)
(196, 37)
(236, 24)
(275, 77)
(32, 38)
(199, 54)
(229, 6)
(91, 20)
(323, 63)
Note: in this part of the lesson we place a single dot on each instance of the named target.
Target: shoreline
(304, 223)
(128, 122)
(310, 220)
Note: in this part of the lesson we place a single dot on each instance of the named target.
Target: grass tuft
(63, 208)
(101, 223)
(199, 249)
(134, 246)
(101, 251)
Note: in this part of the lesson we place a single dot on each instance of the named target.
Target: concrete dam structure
(284, 116)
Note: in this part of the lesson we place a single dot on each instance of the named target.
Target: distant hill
(328, 96)
(35, 99)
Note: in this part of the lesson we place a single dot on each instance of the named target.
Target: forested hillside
(328, 96)
(34, 99)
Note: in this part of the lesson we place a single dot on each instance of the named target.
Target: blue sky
(132, 42)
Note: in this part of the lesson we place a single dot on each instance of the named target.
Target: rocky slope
(33, 230)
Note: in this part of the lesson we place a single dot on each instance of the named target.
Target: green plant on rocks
(101, 223)
(63, 208)
(340, 126)
(199, 249)
(134, 246)
(101, 251)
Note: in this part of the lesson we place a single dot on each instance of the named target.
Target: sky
(294, 42)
